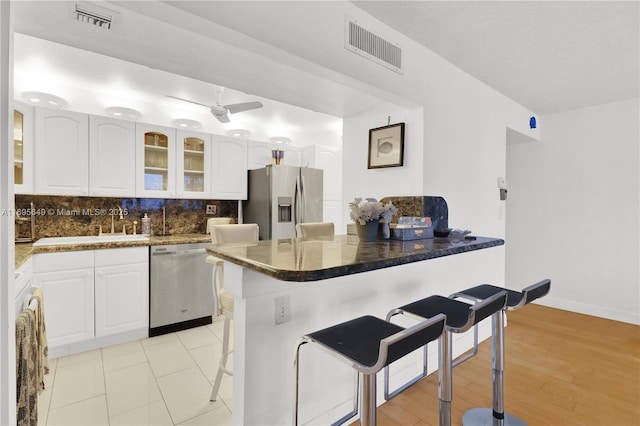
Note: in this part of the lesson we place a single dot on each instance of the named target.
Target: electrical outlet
(211, 209)
(282, 309)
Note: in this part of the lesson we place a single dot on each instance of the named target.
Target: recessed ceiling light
(239, 133)
(122, 112)
(44, 99)
(185, 123)
(280, 140)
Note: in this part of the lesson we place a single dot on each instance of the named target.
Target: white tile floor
(164, 380)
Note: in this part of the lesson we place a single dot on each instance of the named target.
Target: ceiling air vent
(373, 47)
(101, 18)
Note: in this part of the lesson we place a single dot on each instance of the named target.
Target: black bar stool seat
(515, 300)
(458, 313)
(368, 344)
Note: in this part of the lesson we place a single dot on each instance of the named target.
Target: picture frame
(386, 146)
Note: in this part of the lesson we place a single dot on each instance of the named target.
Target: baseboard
(586, 309)
(101, 342)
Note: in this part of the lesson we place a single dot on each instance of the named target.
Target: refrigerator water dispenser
(284, 209)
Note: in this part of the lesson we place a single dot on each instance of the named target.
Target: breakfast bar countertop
(300, 259)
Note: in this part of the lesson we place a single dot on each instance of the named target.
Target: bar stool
(515, 300)
(460, 318)
(223, 299)
(315, 229)
(368, 344)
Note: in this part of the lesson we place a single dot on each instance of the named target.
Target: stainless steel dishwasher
(180, 290)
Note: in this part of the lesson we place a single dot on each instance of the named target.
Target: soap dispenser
(146, 225)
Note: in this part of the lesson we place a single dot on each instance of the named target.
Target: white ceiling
(91, 82)
(549, 56)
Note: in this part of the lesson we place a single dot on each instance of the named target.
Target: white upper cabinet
(328, 159)
(293, 156)
(112, 163)
(193, 164)
(62, 152)
(156, 161)
(229, 168)
(259, 154)
(23, 148)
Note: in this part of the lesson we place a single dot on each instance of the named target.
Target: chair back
(408, 340)
(243, 233)
(211, 222)
(221, 234)
(489, 306)
(315, 229)
(536, 291)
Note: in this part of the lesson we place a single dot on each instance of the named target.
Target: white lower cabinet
(121, 290)
(68, 305)
(93, 298)
(66, 280)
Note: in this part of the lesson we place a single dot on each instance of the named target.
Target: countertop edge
(353, 268)
(23, 251)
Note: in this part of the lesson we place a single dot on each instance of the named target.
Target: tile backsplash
(58, 216)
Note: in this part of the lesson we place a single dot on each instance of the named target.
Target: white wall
(573, 210)
(358, 180)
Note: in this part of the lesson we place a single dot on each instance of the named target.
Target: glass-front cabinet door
(194, 164)
(156, 169)
(23, 148)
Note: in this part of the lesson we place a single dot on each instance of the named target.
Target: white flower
(363, 211)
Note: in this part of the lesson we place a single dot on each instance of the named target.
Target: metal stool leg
(445, 377)
(368, 400)
(296, 396)
(497, 416)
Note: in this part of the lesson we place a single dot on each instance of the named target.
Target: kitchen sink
(89, 239)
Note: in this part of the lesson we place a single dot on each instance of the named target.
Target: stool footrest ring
(484, 417)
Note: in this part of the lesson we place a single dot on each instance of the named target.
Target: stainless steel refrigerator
(282, 196)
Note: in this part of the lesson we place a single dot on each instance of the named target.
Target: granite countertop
(24, 250)
(300, 259)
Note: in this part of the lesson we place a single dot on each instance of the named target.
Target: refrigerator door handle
(296, 202)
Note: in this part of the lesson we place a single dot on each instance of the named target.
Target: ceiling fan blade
(244, 106)
(223, 118)
(187, 100)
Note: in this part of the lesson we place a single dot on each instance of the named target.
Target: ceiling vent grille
(373, 47)
(93, 17)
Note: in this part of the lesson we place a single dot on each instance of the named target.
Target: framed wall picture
(386, 146)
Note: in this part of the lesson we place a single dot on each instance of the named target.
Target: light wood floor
(561, 368)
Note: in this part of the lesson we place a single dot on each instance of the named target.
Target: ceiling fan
(221, 112)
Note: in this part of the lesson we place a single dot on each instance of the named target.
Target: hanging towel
(26, 369)
(41, 338)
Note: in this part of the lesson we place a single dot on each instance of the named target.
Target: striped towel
(41, 339)
(26, 369)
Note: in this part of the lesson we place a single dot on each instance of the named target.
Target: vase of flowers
(367, 215)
